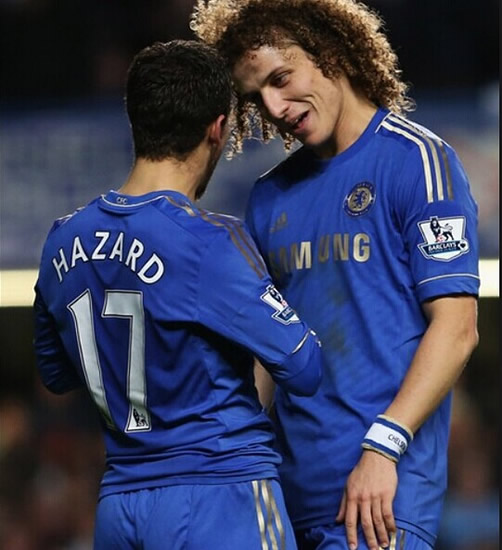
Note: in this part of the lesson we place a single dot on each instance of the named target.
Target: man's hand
(367, 498)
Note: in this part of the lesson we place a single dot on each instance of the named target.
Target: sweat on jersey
(356, 243)
(158, 307)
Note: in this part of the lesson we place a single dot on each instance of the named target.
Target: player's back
(132, 286)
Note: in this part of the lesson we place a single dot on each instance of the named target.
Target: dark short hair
(174, 91)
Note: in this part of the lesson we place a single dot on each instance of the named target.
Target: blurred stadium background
(64, 139)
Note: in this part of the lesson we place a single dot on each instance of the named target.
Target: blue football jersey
(158, 308)
(356, 243)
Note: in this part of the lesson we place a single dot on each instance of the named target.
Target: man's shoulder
(286, 171)
(74, 217)
(408, 136)
(203, 224)
(216, 223)
(213, 235)
(227, 239)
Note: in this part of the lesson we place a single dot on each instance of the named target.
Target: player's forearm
(56, 372)
(439, 360)
(264, 385)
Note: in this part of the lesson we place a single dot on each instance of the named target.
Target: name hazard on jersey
(130, 252)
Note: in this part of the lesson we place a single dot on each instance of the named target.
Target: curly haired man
(344, 225)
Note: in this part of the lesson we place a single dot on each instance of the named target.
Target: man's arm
(264, 385)
(237, 299)
(438, 362)
(54, 366)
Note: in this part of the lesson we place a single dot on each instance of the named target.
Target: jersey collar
(354, 149)
(121, 200)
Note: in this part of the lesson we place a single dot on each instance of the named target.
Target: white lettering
(154, 277)
(135, 252)
(118, 247)
(150, 272)
(78, 252)
(103, 235)
(62, 264)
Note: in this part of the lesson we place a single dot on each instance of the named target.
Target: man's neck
(169, 174)
(355, 115)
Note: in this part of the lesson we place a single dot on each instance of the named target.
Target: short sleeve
(439, 219)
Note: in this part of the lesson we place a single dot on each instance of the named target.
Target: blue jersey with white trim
(356, 243)
(158, 308)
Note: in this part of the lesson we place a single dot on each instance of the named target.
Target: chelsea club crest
(360, 199)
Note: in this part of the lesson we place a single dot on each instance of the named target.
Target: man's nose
(274, 105)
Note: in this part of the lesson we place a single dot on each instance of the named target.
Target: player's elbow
(306, 362)
(466, 332)
(56, 375)
(306, 383)
(469, 339)
(61, 384)
(56, 388)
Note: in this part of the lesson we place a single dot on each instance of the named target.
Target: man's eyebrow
(265, 80)
(276, 71)
(252, 95)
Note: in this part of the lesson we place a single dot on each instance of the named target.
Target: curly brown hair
(340, 36)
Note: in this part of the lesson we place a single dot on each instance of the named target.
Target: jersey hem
(188, 480)
(457, 284)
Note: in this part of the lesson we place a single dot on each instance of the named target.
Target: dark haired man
(345, 225)
(158, 307)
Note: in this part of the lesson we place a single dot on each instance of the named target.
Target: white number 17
(122, 304)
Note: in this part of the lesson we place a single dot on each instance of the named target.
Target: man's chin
(201, 188)
(308, 140)
(199, 192)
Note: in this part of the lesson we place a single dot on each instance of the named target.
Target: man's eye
(280, 80)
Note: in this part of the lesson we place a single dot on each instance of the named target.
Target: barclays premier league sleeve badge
(284, 313)
(444, 238)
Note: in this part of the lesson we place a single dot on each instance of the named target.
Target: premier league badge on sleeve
(284, 313)
(444, 238)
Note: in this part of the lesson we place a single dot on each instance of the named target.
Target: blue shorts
(245, 516)
(333, 537)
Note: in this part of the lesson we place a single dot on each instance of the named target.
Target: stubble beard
(206, 176)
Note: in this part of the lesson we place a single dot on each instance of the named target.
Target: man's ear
(217, 131)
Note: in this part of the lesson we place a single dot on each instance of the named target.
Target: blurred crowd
(51, 461)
